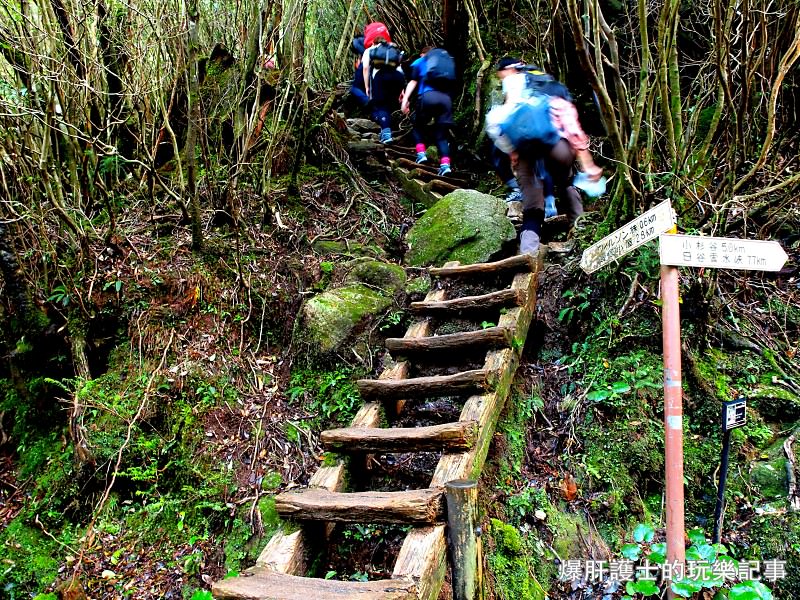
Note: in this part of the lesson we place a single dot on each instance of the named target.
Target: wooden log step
(424, 387)
(262, 584)
(429, 170)
(520, 262)
(317, 504)
(483, 303)
(491, 337)
(460, 435)
(436, 185)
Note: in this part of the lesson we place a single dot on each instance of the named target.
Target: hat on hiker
(507, 62)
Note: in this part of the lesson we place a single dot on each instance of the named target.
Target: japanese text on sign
(629, 237)
(721, 253)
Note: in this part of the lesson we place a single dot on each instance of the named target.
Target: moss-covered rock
(331, 317)
(348, 248)
(465, 225)
(768, 475)
(386, 277)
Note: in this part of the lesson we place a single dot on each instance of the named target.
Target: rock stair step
(425, 387)
(318, 504)
(263, 584)
(491, 337)
(460, 435)
(481, 303)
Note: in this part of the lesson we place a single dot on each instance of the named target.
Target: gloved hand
(593, 189)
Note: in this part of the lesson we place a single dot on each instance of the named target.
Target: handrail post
(462, 514)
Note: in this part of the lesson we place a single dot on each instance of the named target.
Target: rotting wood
(425, 387)
(423, 559)
(481, 303)
(449, 436)
(411, 506)
(263, 584)
(491, 337)
(520, 262)
(462, 510)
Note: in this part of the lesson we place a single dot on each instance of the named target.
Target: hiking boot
(550, 209)
(422, 158)
(515, 195)
(528, 242)
(444, 170)
(386, 136)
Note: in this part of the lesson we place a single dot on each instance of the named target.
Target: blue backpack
(441, 69)
(530, 123)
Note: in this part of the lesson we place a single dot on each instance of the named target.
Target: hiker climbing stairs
(421, 565)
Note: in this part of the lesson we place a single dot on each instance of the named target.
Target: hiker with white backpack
(539, 124)
(433, 75)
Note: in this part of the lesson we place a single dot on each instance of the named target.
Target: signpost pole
(673, 416)
(719, 513)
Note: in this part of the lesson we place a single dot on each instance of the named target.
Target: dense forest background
(168, 171)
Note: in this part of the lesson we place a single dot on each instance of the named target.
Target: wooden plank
(491, 337)
(411, 506)
(481, 303)
(450, 436)
(424, 387)
(520, 262)
(423, 559)
(262, 584)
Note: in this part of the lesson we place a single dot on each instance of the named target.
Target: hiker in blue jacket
(432, 75)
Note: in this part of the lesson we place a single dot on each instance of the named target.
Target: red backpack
(373, 31)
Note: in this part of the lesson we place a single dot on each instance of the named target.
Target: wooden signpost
(674, 251)
(630, 236)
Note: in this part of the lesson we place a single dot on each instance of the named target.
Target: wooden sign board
(721, 253)
(630, 236)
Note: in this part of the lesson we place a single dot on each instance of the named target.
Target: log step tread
(264, 584)
(520, 262)
(491, 337)
(482, 302)
(424, 387)
(460, 435)
(423, 506)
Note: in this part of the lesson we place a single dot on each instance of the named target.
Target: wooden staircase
(420, 568)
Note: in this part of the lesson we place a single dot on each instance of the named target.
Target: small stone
(540, 514)
(108, 574)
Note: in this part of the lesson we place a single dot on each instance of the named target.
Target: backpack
(529, 124)
(537, 82)
(373, 31)
(385, 55)
(441, 69)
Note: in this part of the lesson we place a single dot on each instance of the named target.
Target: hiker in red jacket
(383, 78)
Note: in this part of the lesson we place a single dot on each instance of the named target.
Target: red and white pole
(673, 416)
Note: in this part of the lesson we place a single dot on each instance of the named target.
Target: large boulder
(466, 225)
(330, 318)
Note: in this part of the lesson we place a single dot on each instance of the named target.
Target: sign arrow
(721, 253)
(630, 236)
